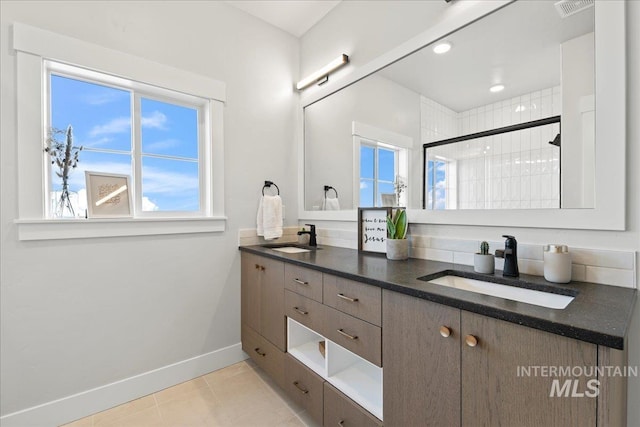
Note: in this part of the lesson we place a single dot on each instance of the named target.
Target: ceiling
(295, 17)
(519, 46)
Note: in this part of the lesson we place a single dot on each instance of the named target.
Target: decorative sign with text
(372, 229)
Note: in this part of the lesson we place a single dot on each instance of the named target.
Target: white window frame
(138, 91)
(33, 47)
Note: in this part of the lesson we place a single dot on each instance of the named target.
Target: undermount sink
(513, 293)
(290, 248)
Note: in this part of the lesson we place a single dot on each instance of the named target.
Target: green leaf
(401, 223)
(391, 228)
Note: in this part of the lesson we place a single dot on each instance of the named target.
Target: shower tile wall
(508, 171)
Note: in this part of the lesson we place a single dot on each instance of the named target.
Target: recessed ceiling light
(441, 48)
(496, 88)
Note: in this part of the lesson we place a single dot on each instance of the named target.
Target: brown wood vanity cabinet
(442, 366)
(445, 366)
(262, 313)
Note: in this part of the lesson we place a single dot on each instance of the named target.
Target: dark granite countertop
(599, 314)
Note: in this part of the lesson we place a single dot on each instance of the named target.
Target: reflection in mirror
(512, 167)
(546, 64)
(359, 140)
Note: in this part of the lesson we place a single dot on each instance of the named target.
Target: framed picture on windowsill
(108, 195)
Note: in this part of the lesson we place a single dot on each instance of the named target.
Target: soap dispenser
(557, 263)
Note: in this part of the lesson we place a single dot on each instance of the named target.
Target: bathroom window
(382, 167)
(154, 135)
(160, 125)
(441, 184)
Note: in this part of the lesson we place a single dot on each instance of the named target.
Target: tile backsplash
(606, 267)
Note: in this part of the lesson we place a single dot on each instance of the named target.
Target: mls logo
(570, 388)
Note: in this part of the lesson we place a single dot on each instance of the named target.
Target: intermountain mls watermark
(576, 381)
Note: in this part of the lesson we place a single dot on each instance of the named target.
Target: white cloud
(161, 145)
(160, 181)
(155, 120)
(118, 125)
(148, 205)
(105, 97)
(363, 185)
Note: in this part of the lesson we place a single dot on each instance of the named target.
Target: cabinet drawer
(266, 355)
(356, 335)
(305, 388)
(303, 281)
(304, 310)
(339, 410)
(354, 298)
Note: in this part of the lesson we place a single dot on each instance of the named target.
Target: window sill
(58, 229)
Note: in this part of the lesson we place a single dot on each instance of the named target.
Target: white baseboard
(89, 402)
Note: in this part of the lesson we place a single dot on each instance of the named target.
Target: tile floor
(238, 395)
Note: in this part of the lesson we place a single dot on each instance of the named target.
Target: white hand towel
(259, 219)
(269, 218)
(331, 204)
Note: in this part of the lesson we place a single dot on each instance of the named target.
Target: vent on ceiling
(569, 7)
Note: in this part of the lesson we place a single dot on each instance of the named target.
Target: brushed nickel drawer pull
(341, 423)
(261, 353)
(304, 313)
(303, 391)
(300, 281)
(344, 297)
(351, 337)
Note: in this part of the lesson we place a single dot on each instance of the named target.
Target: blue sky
(101, 120)
(386, 172)
(436, 179)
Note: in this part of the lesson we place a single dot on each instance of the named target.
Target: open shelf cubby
(356, 377)
(303, 344)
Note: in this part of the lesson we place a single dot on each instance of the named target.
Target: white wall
(577, 147)
(321, 41)
(70, 321)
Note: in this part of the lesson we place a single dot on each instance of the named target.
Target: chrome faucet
(510, 255)
(311, 233)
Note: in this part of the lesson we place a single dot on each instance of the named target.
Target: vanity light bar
(323, 73)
